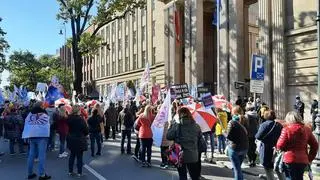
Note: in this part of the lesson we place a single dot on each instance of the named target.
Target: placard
(41, 87)
(207, 100)
(179, 91)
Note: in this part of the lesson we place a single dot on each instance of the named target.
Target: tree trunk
(77, 68)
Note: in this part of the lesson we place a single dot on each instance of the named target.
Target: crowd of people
(240, 133)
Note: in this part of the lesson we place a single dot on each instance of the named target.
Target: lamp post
(316, 132)
(64, 51)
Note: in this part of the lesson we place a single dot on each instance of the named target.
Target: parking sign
(257, 67)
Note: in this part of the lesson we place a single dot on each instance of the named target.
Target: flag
(53, 94)
(2, 99)
(113, 92)
(216, 13)
(177, 25)
(120, 91)
(160, 120)
(145, 77)
(155, 93)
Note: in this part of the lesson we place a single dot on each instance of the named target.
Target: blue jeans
(210, 135)
(236, 158)
(11, 145)
(40, 145)
(221, 143)
(62, 144)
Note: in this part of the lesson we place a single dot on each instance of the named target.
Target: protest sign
(179, 91)
(41, 87)
(207, 100)
(155, 93)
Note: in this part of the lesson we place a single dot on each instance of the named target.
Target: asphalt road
(110, 166)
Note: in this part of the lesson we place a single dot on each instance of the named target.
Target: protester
(299, 106)
(126, 120)
(268, 133)
(119, 109)
(13, 124)
(37, 130)
(98, 107)
(221, 129)
(137, 153)
(252, 128)
(314, 112)
(294, 141)
(165, 144)
(238, 141)
(94, 123)
(263, 107)
(51, 111)
(62, 129)
(145, 134)
(186, 133)
(209, 135)
(111, 116)
(76, 140)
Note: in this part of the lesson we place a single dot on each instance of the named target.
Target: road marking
(95, 173)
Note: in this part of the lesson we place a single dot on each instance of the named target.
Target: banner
(120, 92)
(145, 77)
(207, 100)
(155, 93)
(179, 91)
(36, 126)
(160, 120)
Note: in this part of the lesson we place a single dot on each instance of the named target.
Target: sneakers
(45, 177)
(80, 175)
(98, 154)
(164, 166)
(23, 153)
(32, 176)
(36, 160)
(71, 174)
(63, 155)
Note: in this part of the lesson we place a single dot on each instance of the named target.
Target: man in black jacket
(126, 120)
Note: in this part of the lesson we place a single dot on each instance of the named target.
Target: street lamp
(64, 52)
(316, 132)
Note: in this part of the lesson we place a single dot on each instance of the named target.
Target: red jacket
(62, 126)
(294, 141)
(144, 125)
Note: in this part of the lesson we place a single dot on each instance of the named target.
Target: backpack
(175, 152)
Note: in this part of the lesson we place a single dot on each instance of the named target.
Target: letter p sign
(257, 67)
(258, 63)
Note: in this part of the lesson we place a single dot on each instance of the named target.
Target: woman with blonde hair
(144, 123)
(76, 140)
(238, 141)
(294, 141)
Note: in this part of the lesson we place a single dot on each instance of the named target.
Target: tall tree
(25, 69)
(78, 14)
(4, 46)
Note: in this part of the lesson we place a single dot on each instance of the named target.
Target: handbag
(175, 153)
(259, 142)
(278, 162)
(202, 144)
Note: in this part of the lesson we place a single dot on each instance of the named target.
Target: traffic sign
(257, 67)
(256, 86)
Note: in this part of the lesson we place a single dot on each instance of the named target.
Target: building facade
(130, 43)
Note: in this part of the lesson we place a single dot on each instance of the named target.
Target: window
(113, 47)
(103, 35)
(153, 56)
(119, 45)
(108, 32)
(126, 41)
(113, 67)
(143, 12)
(102, 71)
(120, 66)
(108, 69)
(103, 55)
(126, 64)
(134, 37)
(153, 28)
(143, 31)
(119, 25)
(143, 58)
(133, 18)
(153, 4)
(135, 64)
(98, 72)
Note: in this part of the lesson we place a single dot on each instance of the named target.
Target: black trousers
(95, 138)
(146, 145)
(124, 134)
(107, 132)
(252, 156)
(137, 147)
(164, 154)
(73, 156)
(294, 171)
(193, 169)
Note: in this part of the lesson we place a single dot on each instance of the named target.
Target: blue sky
(31, 25)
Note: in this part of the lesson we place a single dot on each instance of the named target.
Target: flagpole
(218, 45)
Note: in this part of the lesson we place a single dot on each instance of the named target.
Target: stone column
(193, 42)
(236, 45)
(278, 58)
(264, 22)
(223, 51)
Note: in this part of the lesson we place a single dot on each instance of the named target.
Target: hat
(297, 97)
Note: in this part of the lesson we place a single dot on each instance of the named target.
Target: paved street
(110, 166)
